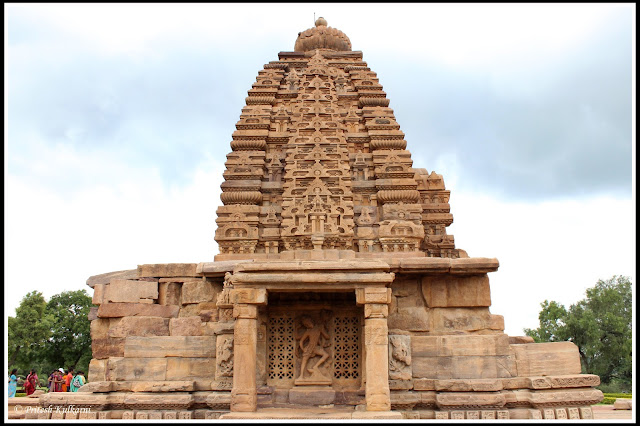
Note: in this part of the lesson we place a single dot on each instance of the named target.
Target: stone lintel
(105, 278)
(168, 270)
(437, 265)
(315, 282)
(474, 265)
(360, 265)
(218, 269)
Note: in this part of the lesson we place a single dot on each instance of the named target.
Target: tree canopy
(50, 335)
(600, 325)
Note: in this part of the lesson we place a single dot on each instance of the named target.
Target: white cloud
(55, 241)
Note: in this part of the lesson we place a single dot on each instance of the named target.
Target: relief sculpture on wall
(312, 341)
(399, 357)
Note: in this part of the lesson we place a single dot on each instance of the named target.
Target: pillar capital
(376, 310)
(244, 310)
(254, 296)
(366, 295)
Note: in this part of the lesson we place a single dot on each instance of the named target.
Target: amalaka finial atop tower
(322, 37)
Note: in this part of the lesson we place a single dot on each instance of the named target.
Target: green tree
(70, 341)
(600, 325)
(28, 331)
(552, 327)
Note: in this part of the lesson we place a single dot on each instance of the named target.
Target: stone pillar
(376, 346)
(245, 336)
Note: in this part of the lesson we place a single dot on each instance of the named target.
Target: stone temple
(337, 292)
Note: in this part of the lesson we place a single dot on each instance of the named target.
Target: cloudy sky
(120, 117)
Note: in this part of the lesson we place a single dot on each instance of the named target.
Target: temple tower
(319, 166)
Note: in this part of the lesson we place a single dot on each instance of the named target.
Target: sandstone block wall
(155, 329)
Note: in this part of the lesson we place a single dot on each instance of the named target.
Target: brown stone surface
(187, 326)
(130, 291)
(138, 369)
(547, 359)
(167, 270)
(169, 293)
(97, 370)
(456, 291)
(307, 395)
(170, 346)
(196, 291)
(107, 347)
(115, 310)
(140, 326)
(453, 320)
(519, 340)
(106, 278)
(460, 345)
(463, 367)
(623, 404)
(470, 399)
(199, 370)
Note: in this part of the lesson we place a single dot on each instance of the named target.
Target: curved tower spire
(319, 166)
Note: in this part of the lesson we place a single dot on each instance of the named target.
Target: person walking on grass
(31, 383)
(13, 383)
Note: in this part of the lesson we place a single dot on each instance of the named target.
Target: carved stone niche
(400, 357)
(313, 340)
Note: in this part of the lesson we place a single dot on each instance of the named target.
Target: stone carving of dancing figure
(312, 344)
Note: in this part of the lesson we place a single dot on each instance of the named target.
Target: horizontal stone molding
(218, 269)
(468, 385)
(260, 100)
(241, 197)
(337, 280)
(77, 399)
(248, 145)
(393, 144)
(311, 266)
(219, 400)
(555, 398)
(135, 386)
(450, 400)
(404, 195)
(365, 101)
(171, 401)
(170, 346)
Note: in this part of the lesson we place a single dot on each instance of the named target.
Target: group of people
(59, 381)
